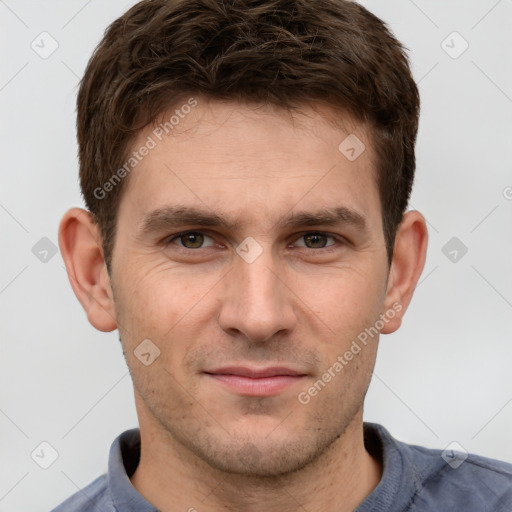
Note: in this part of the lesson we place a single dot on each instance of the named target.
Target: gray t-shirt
(415, 479)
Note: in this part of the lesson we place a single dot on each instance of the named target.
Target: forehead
(252, 162)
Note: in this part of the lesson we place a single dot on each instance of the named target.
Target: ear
(407, 265)
(80, 246)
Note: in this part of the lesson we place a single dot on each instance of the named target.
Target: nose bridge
(257, 302)
(259, 282)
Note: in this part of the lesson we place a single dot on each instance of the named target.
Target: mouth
(261, 382)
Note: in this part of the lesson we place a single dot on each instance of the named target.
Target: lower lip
(264, 386)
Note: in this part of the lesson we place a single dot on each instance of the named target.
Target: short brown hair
(281, 52)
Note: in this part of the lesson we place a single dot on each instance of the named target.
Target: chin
(251, 460)
(262, 454)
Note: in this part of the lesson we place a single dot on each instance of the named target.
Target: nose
(257, 301)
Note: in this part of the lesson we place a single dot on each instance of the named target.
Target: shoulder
(91, 498)
(423, 479)
(113, 487)
(458, 480)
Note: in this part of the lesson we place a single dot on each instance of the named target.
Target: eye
(316, 240)
(196, 240)
(190, 240)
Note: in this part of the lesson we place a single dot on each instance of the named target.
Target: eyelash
(340, 240)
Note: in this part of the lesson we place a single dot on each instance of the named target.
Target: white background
(446, 375)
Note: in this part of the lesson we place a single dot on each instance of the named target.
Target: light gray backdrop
(444, 377)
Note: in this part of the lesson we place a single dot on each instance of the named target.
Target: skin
(204, 446)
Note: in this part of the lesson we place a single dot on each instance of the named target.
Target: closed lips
(256, 373)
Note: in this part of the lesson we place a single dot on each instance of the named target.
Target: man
(247, 166)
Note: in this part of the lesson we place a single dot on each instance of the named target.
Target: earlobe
(408, 261)
(80, 246)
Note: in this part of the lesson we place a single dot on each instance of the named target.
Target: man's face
(221, 318)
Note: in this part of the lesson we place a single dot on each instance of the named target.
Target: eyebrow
(172, 217)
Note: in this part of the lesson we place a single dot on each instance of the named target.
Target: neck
(172, 478)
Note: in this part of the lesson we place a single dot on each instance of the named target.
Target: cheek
(163, 304)
(346, 300)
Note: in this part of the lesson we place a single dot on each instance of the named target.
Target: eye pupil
(191, 237)
(315, 237)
